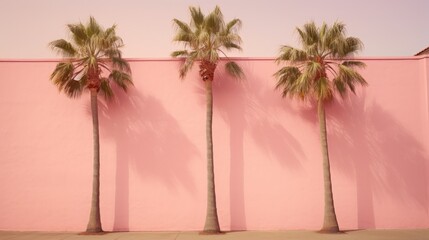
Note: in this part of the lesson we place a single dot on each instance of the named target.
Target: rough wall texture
(267, 154)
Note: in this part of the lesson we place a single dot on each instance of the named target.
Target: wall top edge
(231, 58)
(135, 59)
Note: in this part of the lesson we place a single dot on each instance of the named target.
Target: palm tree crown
(92, 60)
(316, 72)
(321, 67)
(205, 38)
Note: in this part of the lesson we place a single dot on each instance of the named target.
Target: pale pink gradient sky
(387, 27)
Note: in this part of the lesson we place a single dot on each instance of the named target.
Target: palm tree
(205, 39)
(92, 61)
(320, 70)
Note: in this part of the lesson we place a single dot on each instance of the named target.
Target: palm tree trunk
(212, 222)
(330, 223)
(94, 224)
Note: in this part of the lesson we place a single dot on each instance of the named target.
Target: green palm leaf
(206, 38)
(231, 45)
(234, 69)
(73, 88)
(120, 64)
(187, 65)
(180, 53)
(182, 26)
(122, 79)
(291, 54)
(91, 50)
(78, 34)
(319, 46)
(105, 89)
(197, 17)
(233, 24)
(63, 48)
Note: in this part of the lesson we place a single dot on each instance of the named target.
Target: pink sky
(387, 28)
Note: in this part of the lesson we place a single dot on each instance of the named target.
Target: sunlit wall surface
(268, 160)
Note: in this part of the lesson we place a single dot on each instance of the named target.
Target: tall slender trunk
(212, 223)
(94, 223)
(330, 223)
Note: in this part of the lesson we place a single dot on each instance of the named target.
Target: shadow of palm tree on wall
(150, 142)
(246, 113)
(383, 156)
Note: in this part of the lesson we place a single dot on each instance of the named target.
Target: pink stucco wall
(267, 154)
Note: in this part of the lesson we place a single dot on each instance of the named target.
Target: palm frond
(323, 89)
(291, 54)
(226, 37)
(79, 72)
(197, 17)
(182, 36)
(94, 51)
(108, 41)
(187, 64)
(234, 69)
(122, 79)
(351, 46)
(308, 34)
(353, 64)
(349, 77)
(307, 70)
(231, 45)
(182, 26)
(322, 31)
(105, 89)
(73, 88)
(121, 64)
(340, 86)
(93, 28)
(203, 38)
(234, 24)
(214, 21)
(111, 52)
(110, 32)
(63, 47)
(62, 73)
(213, 56)
(311, 70)
(180, 53)
(347, 72)
(337, 31)
(78, 33)
(336, 41)
(286, 80)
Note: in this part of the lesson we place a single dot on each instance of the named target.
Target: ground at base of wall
(418, 234)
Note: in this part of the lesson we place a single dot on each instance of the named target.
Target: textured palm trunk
(212, 222)
(330, 223)
(94, 223)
